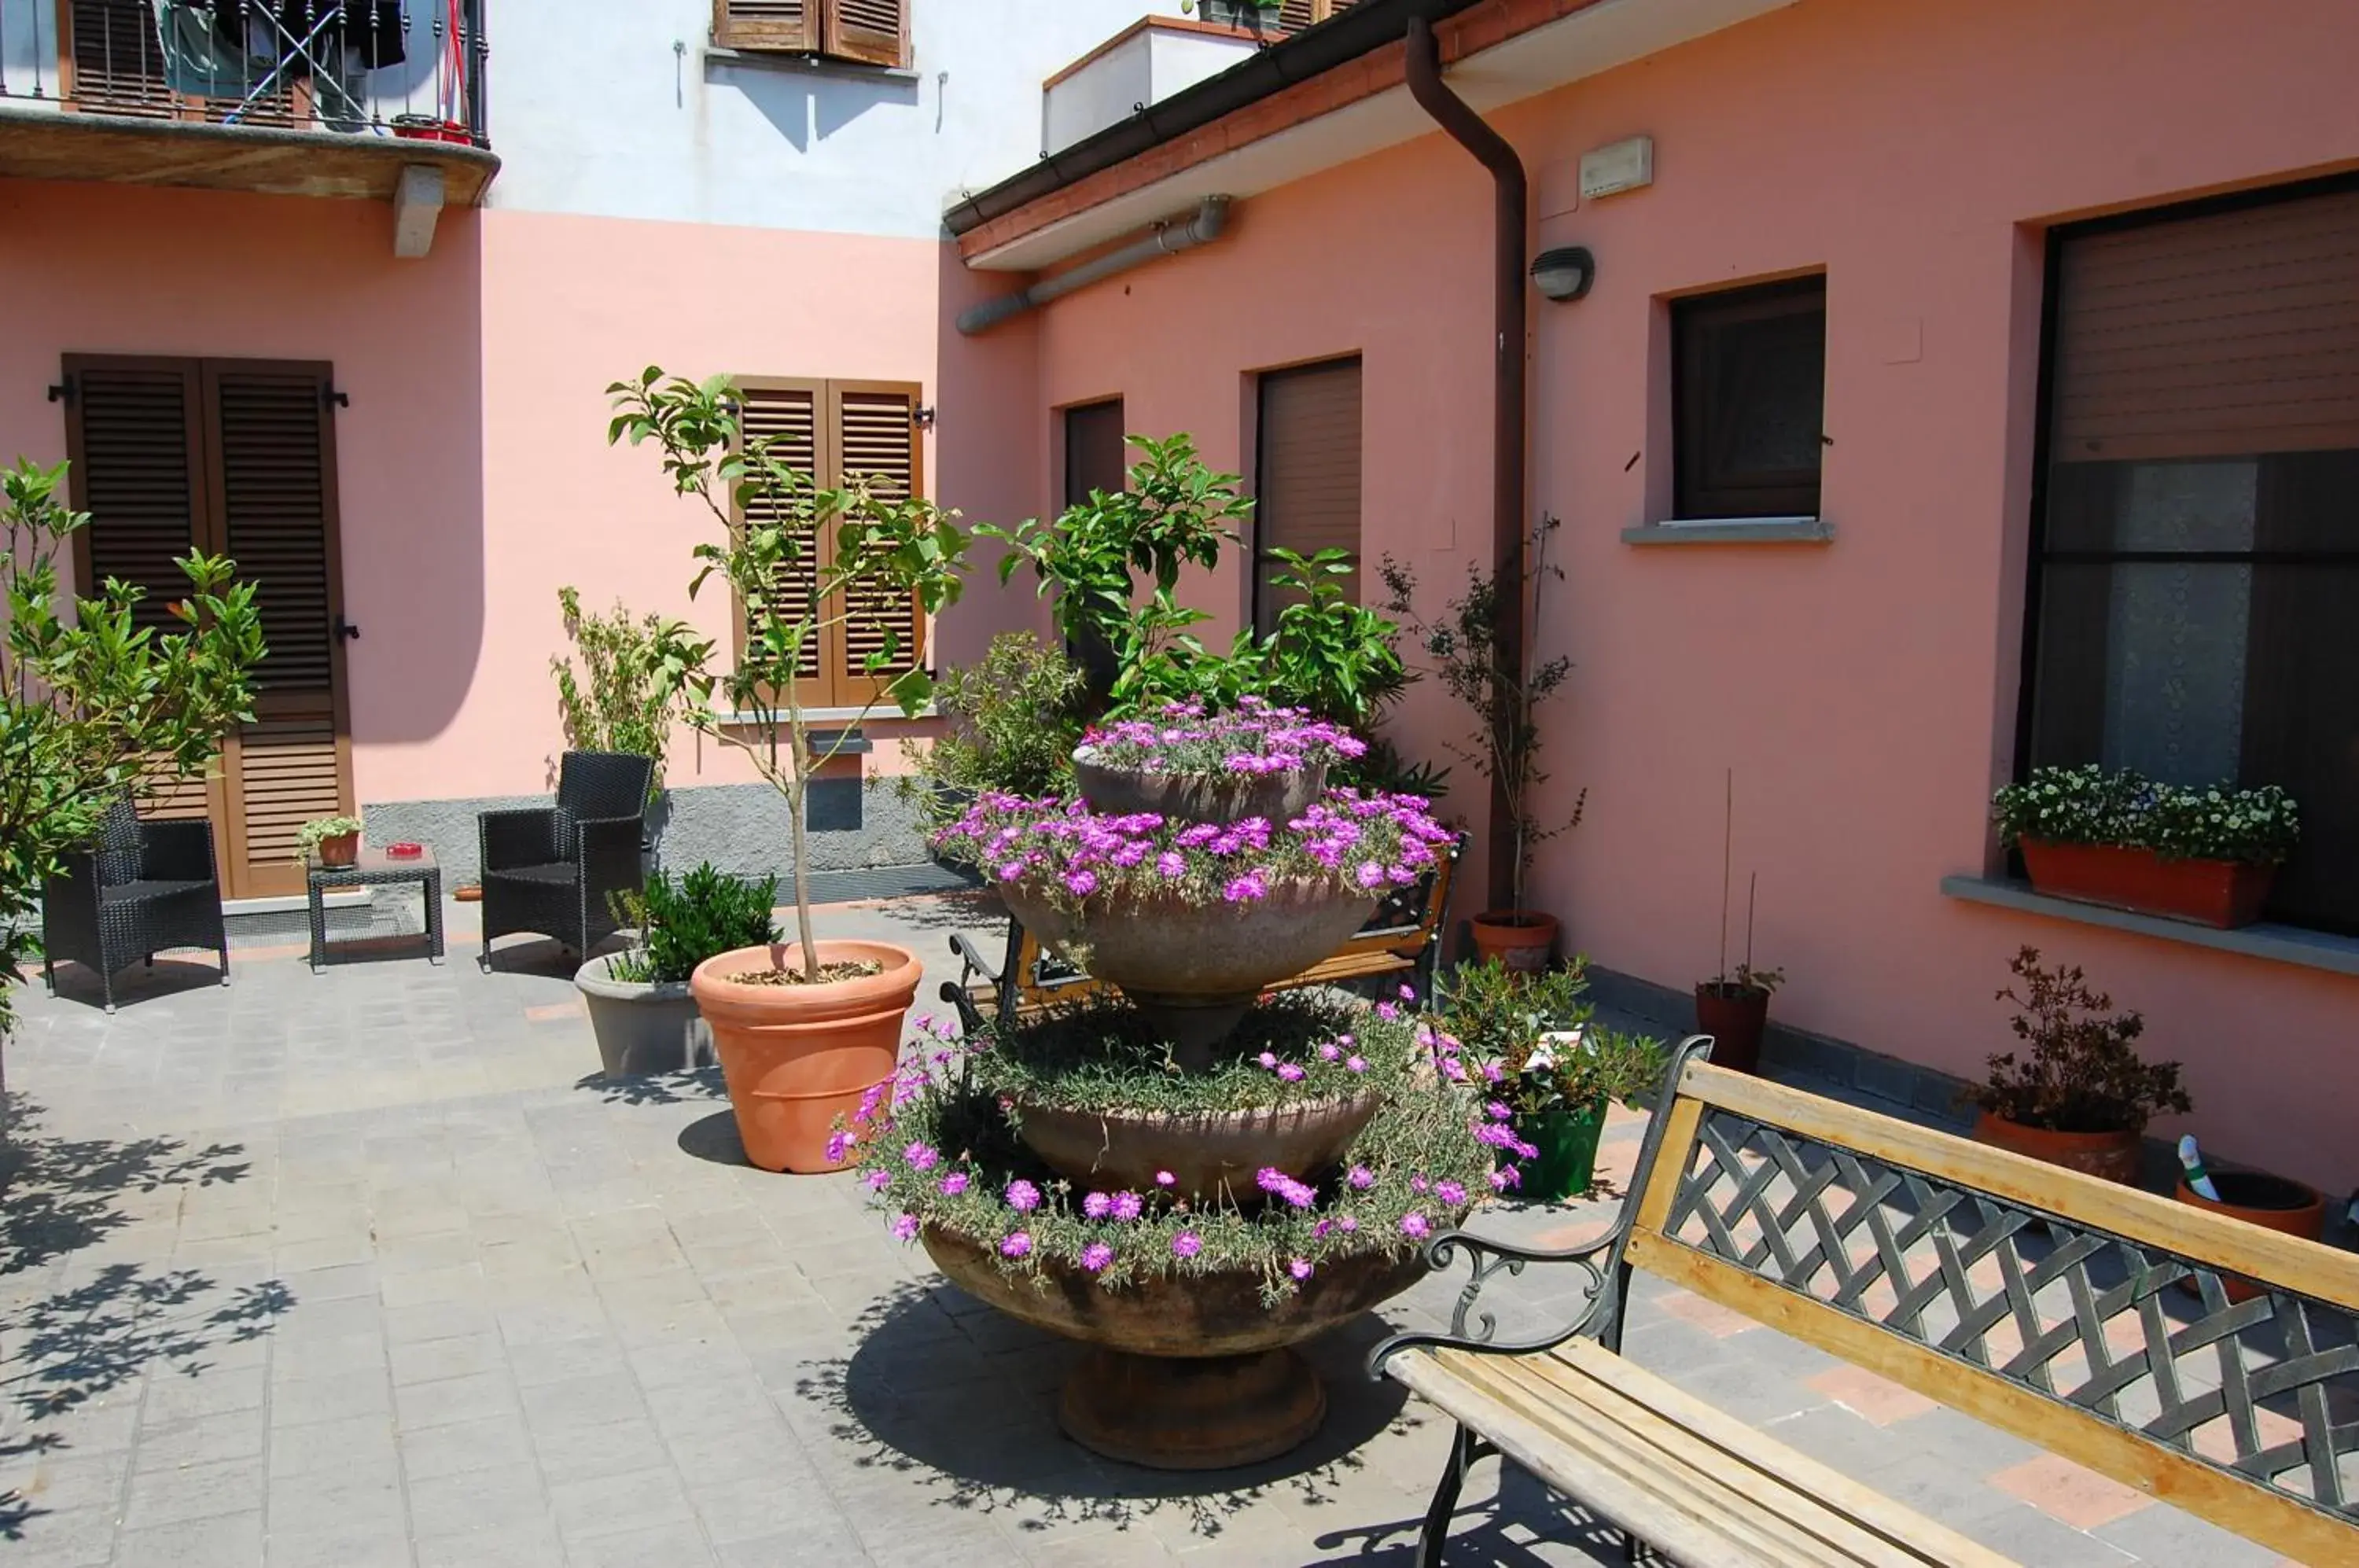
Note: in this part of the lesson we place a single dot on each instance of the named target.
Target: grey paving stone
(656, 1546)
(305, 1400)
(456, 1356)
(485, 1442)
(593, 1401)
(615, 1504)
(224, 1541)
(573, 1453)
(471, 1398)
(495, 1497)
(192, 1492)
(203, 1439)
(519, 1546)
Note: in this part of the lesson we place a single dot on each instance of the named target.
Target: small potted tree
(1505, 694)
(2113, 837)
(803, 1031)
(639, 1004)
(1550, 1072)
(335, 840)
(2083, 1096)
(1733, 1006)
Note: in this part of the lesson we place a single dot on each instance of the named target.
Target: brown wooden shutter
(790, 26)
(876, 32)
(1295, 14)
(790, 413)
(2231, 333)
(1097, 447)
(114, 60)
(876, 434)
(1308, 491)
(274, 499)
(135, 438)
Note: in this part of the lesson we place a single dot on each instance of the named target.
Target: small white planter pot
(642, 1029)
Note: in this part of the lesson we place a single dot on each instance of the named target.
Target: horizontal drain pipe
(1170, 238)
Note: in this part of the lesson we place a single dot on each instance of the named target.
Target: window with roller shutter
(869, 32)
(836, 430)
(236, 458)
(1307, 494)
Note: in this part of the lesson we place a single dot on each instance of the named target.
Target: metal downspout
(1453, 115)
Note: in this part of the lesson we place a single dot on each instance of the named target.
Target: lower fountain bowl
(1107, 1151)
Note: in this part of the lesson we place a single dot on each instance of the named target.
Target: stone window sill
(808, 65)
(1733, 530)
(2277, 944)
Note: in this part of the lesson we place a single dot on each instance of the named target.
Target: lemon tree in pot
(639, 1004)
(1547, 1071)
(803, 1030)
(2082, 1096)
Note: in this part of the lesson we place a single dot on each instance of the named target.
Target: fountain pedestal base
(1191, 1413)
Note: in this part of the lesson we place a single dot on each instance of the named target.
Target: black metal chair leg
(49, 974)
(224, 963)
(1464, 1449)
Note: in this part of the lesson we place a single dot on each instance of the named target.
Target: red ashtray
(403, 850)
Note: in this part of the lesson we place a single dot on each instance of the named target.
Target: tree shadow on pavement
(691, 1087)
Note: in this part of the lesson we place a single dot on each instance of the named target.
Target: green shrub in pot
(683, 923)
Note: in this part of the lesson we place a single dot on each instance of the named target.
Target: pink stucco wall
(1861, 692)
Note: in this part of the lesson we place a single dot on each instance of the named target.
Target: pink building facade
(1860, 676)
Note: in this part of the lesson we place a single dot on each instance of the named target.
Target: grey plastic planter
(642, 1028)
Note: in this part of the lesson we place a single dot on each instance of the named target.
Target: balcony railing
(396, 69)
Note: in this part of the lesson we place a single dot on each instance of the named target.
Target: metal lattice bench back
(2087, 1317)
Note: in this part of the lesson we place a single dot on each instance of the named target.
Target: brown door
(234, 457)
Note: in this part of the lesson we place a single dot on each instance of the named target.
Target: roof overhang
(1357, 108)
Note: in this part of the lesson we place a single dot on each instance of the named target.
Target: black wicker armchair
(549, 869)
(141, 889)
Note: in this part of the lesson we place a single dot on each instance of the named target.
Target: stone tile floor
(359, 1269)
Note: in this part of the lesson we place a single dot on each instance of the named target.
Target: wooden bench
(2088, 1318)
(1402, 941)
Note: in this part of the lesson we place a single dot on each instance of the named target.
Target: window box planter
(2225, 894)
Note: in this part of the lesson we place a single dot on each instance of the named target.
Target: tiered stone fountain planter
(1190, 1368)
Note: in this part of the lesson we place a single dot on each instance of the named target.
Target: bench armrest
(972, 961)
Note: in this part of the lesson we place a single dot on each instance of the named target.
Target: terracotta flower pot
(340, 849)
(796, 1057)
(1735, 1020)
(2223, 893)
(2273, 1203)
(2113, 1155)
(1523, 939)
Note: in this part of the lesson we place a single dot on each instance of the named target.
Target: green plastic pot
(1566, 1165)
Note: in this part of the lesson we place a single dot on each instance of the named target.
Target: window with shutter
(789, 26)
(1308, 491)
(876, 32)
(1749, 399)
(834, 430)
(2197, 574)
(1295, 14)
(114, 58)
(233, 457)
(1097, 451)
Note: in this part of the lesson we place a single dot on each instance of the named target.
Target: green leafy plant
(2096, 805)
(2082, 1074)
(309, 836)
(1745, 980)
(1012, 720)
(683, 922)
(620, 699)
(1505, 692)
(1503, 1019)
(98, 706)
(883, 549)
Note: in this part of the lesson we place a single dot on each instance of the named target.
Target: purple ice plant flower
(1369, 874)
(921, 1157)
(1362, 1178)
(1165, 1179)
(1186, 1244)
(1097, 1206)
(1499, 1111)
(1346, 1224)
(1080, 884)
(879, 1180)
(1096, 1256)
(1416, 1226)
(1503, 1179)
(1450, 1193)
(1357, 1063)
(1329, 1051)
(1128, 1205)
(1267, 1059)
(1172, 863)
(1017, 1244)
(1387, 1012)
(954, 1183)
(1299, 1268)
(1418, 1183)
(1290, 1071)
(1022, 1196)
(1493, 1073)
(904, 1227)
(839, 1148)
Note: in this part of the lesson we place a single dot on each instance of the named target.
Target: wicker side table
(375, 868)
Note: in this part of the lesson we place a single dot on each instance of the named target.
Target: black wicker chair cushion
(559, 873)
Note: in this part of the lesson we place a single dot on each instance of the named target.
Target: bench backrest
(2087, 1317)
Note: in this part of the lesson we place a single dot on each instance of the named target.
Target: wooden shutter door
(791, 415)
(1308, 493)
(1097, 448)
(113, 62)
(134, 440)
(877, 432)
(273, 493)
(791, 26)
(874, 31)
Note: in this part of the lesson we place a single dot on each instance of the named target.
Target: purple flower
(1127, 1205)
(1361, 1177)
(1172, 863)
(1329, 1051)
(1409, 993)
(1097, 1206)
(1503, 1179)
(1491, 1073)
(1022, 1196)
(1347, 1223)
(1528, 1151)
(954, 1183)
(1017, 1245)
(1417, 1227)
(1299, 1268)
(1165, 1179)
(1386, 1011)
(839, 1147)
(1418, 1183)
(904, 1227)
(879, 1180)
(1080, 884)
(1450, 1193)
(1452, 1070)
(1186, 1244)
(921, 1157)
(1291, 1072)
(1498, 1111)
(1270, 1179)
(1096, 1256)
(1245, 889)
(1319, 1232)
(1369, 874)
(1357, 1063)
(1267, 1059)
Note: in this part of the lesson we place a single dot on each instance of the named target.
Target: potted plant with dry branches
(804, 1030)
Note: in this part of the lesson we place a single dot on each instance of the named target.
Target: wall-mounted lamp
(1565, 273)
(922, 415)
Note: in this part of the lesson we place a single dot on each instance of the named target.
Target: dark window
(1748, 395)
(1097, 451)
(2196, 582)
(1307, 492)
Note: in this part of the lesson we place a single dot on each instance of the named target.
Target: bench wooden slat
(1628, 1450)
(2286, 1261)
